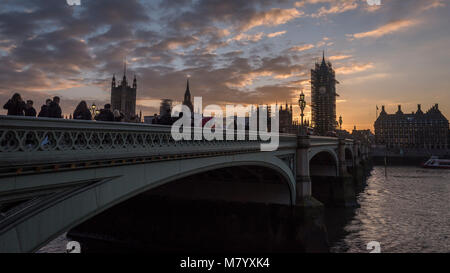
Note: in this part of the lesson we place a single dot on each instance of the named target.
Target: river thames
(406, 211)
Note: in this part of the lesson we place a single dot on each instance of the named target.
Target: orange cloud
(434, 4)
(301, 47)
(354, 68)
(336, 7)
(339, 57)
(243, 80)
(272, 17)
(386, 29)
(275, 34)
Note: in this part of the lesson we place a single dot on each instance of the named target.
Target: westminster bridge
(57, 174)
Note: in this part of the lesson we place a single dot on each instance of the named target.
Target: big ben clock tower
(323, 98)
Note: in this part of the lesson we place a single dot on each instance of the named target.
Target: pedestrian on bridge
(54, 110)
(29, 109)
(118, 116)
(15, 106)
(44, 109)
(82, 112)
(105, 114)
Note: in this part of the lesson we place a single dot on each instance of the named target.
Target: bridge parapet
(323, 141)
(26, 140)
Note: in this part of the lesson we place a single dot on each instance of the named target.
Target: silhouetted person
(82, 112)
(118, 116)
(155, 119)
(44, 109)
(54, 111)
(15, 105)
(29, 109)
(105, 114)
(166, 118)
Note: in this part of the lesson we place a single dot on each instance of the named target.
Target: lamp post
(302, 105)
(340, 122)
(93, 107)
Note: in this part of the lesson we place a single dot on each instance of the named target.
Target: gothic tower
(123, 96)
(323, 98)
(187, 98)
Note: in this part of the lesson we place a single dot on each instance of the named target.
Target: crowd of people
(17, 107)
(51, 109)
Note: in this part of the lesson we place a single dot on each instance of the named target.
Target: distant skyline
(248, 52)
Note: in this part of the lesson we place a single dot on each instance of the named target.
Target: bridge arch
(103, 188)
(323, 162)
(323, 169)
(349, 159)
(348, 153)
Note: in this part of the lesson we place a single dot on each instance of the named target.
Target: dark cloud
(48, 45)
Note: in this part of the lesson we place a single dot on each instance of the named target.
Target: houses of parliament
(123, 96)
(419, 130)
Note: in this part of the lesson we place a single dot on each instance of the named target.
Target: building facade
(364, 136)
(285, 117)
(123, 97)
(417, 130)
(323, 98)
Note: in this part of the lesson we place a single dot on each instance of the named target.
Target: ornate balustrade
(25, 141)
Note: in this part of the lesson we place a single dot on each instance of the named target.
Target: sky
(233, 52)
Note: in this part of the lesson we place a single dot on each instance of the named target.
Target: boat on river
(436, 163)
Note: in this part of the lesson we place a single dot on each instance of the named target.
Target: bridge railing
(25, 140)
(327, 141)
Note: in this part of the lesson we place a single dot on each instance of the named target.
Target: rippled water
(407, 211)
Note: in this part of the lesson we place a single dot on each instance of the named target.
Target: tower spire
(125, 67)
(187, 87)
(124, 80)
(187, 97)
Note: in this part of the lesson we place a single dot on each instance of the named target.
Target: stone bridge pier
(327, 174)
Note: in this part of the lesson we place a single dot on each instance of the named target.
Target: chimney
(436, 106)
(399, 108)
(419, 107)
(382, 108)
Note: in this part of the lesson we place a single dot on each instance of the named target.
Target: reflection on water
(408, 211)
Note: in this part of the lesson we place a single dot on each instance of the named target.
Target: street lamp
(340, 122)
(93, 107)
(302, 104)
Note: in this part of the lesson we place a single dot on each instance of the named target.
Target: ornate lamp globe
(301, 101)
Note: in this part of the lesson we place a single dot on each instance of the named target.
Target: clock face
(322, 90)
